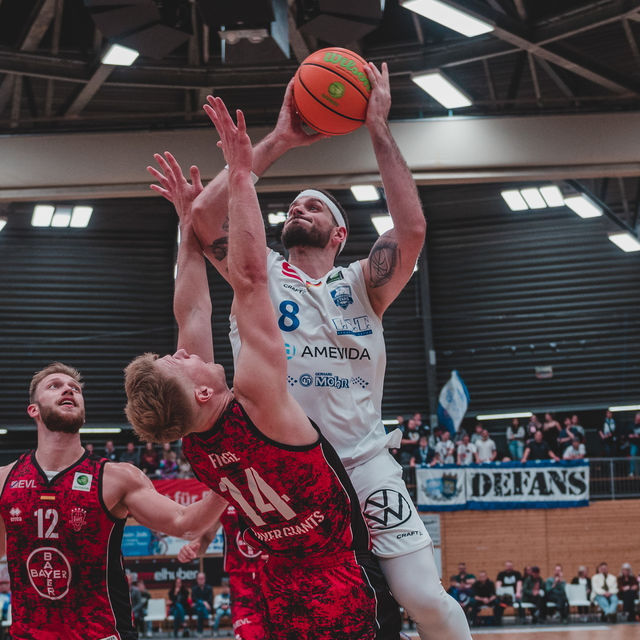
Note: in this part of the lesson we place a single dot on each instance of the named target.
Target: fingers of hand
(175, 167)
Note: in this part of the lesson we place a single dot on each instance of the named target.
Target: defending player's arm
(211, 215)
(394, 255)
(128, 491)
(260, 380)
(196, 548)
(191, 299)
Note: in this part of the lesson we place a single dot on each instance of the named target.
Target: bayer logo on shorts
(386, 509)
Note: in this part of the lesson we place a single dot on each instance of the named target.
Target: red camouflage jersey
(297, 502)
(64, 555)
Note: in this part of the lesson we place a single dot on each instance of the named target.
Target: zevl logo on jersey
(22, 484)
(82, 481)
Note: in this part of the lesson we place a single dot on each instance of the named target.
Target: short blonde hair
(54, 367)
(157, 404)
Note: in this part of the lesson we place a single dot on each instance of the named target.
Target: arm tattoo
(382, 262)
(220, 248)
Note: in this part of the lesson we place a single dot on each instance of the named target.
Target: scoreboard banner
(540, 484)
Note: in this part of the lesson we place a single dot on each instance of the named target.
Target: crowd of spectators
(422, 446)
(530, 591)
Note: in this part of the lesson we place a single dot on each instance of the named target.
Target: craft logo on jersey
(246, 549)
(358, 326)
(49, 572)
(16, 514)
(82, 481)
(342, 296)
(77, 518)
(23, 484)
(386, 509)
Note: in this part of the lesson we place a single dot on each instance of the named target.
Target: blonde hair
(54, 367)
(157, 404)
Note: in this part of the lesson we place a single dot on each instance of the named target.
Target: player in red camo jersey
(254, 444)
(63, 512)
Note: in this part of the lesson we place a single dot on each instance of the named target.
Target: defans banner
(504, 485)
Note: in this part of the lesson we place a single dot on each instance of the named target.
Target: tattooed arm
(393, 257)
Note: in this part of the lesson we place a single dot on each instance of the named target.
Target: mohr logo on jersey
(342, 296)
(323, 380)
(385, 509)
(23, 484)
(222, 459)
(82, 481)
(358, 326)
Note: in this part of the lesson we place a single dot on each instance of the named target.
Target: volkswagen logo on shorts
(385, 509)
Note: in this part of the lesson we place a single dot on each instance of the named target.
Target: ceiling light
(583, 206)
(3, 432)
(449, 17)
(61, 217)
(625, 241)
(42, 214)
(119, 55)
(625, 407)
(442, 89)
(80, 217)
(514, 200)
(533, 198)
(101, 430)
(382, 223)
(3, 222)
(365, 192)
(276, 218)
(552, 195)
(504, 416)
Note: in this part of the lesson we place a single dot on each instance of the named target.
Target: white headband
(335, 212)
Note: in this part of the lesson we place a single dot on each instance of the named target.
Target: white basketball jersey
(335, 354)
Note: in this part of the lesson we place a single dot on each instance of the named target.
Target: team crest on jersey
(16, 514)
(342, 296)
(82, 481)
(78, 518)
(246, 549)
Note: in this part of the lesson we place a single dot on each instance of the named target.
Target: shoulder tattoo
(383, 260)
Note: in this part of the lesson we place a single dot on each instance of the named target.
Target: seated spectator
(486, 447)
(515, 439)
(555, 588)
(179, 605)
(577, 428)
(551, 430)
(130, 454)
(538, 449)
(110, 451)
(222, 606)
(575, 451)
(583, 579)
(417, 418)
(168, 467)
(184, 468)
(409, 442)
(608, 436)
(633, 438)
(476, 436)
(628, 590)
(604, 592)
(533, 592)
(436, 460)
(533, 426)
(202, 601)
(139, 601)
(149, 459)
(483, 594)
(435, 437)
(509, 577)
(446, 449)
(461, 584)
(89, 447)
(423, 455)
(566, 435)
(459, 435)
(467, 452)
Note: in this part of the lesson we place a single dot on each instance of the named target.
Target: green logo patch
(336, 89)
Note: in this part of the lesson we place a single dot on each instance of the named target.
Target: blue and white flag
(452, 403)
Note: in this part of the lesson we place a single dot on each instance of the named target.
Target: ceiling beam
(84, 96)
(41, 19)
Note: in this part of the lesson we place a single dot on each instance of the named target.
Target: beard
(54, 420)
(297, 236)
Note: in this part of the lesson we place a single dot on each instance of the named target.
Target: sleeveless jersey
(297, 502)
(238, 555)
(64, 555)
(335, 354)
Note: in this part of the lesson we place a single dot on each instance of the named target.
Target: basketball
(331, 91)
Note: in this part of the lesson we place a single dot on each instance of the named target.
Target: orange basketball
(331, 91)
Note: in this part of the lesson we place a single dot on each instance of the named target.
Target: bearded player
(64, 511)
(254, 445)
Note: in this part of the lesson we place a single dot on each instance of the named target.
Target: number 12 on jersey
(48, 514)
(264, 496)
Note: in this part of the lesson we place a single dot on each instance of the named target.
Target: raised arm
(191, 298)
(393, 257)
(260, 380)
(211, 213)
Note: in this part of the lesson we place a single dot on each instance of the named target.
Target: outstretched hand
(380, 98)
(234, 141)
(174, 186)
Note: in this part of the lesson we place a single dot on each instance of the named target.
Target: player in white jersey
(330, 319)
